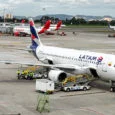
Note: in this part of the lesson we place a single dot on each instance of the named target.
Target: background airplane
(24, 30)
(55, 27)
(111, 27)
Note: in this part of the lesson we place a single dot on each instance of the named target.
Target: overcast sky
(72, 7)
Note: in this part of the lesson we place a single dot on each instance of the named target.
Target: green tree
(112, 22)
(73, 21)
(44, 19)
(81, 21)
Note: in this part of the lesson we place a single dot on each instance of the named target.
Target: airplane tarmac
(60, 61)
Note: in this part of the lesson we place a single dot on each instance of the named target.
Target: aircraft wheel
(84, 88)
(112, 89)
(68, 90)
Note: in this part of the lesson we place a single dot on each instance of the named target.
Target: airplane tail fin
(23, 21)
(47, 24)
(59, 25)
(34, 35)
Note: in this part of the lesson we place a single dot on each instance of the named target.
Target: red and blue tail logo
(34, 35)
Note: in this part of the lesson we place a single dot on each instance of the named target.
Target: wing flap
(60, 66)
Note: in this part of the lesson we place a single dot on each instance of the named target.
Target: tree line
(73, 21)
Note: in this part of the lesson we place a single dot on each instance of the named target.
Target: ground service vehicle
(75, 87)
(45, 85)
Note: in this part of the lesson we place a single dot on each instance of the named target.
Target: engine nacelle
(57, 75)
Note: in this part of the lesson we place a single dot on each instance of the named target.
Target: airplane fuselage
(104, 64)
(52, 28)
(24, 29)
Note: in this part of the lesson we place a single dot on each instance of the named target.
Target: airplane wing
(58, 66)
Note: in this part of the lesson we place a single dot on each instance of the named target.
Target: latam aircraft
(63, 60)
(25, 30)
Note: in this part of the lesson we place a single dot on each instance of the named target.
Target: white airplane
(111, 27)
(24, 30)
(63, 60)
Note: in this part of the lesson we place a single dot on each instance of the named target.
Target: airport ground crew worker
(23, 74)
(31, 75)
(18, 73)
(28, 75)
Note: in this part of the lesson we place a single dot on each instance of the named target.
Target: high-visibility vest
(18, 72)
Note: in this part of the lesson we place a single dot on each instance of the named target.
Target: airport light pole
(4, 14)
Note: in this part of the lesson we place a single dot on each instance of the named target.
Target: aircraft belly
(107, 75)
(81, 71)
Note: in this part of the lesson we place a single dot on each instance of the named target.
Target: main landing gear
(112, 84)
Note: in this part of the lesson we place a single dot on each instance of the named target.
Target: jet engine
(57, 75)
